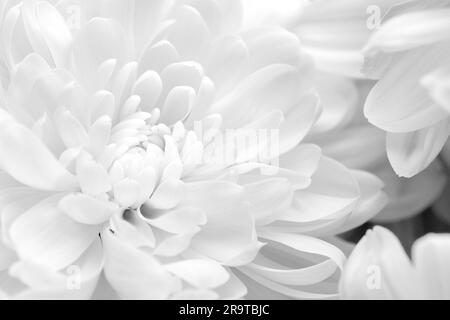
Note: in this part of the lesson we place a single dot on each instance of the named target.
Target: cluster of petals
(404, 45)
(409, 55)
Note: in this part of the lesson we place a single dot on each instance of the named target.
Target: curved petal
(339, 98)
(378, 268)
(86, 209)
(334, 32)
(230, 228)
(28, 160)
(77, 281)
(46, 236)
(334, 191)
(139, 17)
(411, 30)
(371, 201)
(298, 122)
(58, 42)
(294, 282)
(398, 102)
(99, 40)
(134, 273)
(276, 86)
(410, 153)
(190, 33)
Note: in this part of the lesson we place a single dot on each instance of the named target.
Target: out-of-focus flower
(410, 54)
(357, 144)
(113, 156)
(379, 268)
(334, 32)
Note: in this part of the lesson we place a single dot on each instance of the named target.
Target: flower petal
(199, 273)
(411, 30)
(432, 261)
(410, 153)
(133, 273)
(46, 236)
(178, 220)
(77, 282)
(99, 40)
(378, 268)
(26, 159)
(230, 228)
(398, 102)
(86, 209)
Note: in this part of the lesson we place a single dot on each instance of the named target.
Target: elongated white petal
(47, 236)
(88, 210)
(26, 159)
(411, 30)
(77, 281)
(378, 268)
(304, 114)
(133, 273)
(58, 42)
(335, 32)
(398, 102)
(283, 280)
(295, 277)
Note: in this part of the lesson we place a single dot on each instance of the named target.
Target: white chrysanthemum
(112, 155)
(410, 55)
(379, 268)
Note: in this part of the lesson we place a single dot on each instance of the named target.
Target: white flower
(113, 159)
(410, 55)
(344, 134)
(379, 268)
